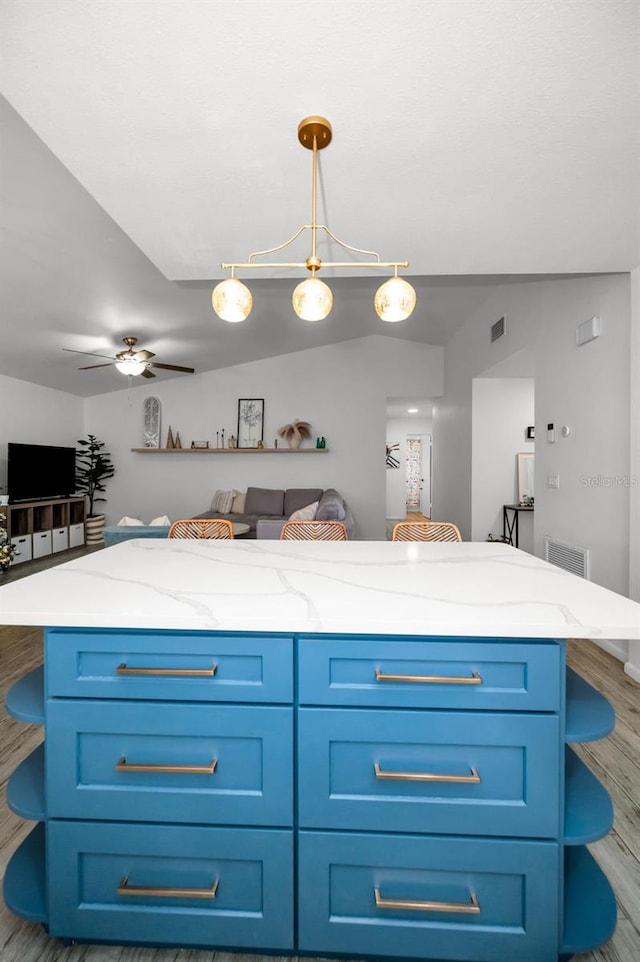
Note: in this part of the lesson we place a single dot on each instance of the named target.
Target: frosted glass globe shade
(394, 300)
(130, 366)
(232, 300)
(312, 300)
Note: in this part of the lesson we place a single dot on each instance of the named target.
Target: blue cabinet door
(173, 665)
(485, 773)
(452, 673)
(409, 896)
(169, 762)
(171, 885)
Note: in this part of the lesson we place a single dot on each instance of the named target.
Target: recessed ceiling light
(412, 410)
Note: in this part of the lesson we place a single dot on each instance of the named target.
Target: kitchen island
(355, 748)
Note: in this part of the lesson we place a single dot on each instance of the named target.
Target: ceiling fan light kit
(132, 362)
(312, 299)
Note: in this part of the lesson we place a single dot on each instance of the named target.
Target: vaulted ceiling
(145, 143)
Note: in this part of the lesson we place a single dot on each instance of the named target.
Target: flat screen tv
(38, 471)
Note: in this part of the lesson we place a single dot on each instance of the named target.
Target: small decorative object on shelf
(260, 445)
(222, 437)
(199, 444)
(93, 468)
(321, 443)
(178, 442)
(7, 550)
(170, 442)
(232, 442)
(526, 502)
(295, 433)
(151, 414)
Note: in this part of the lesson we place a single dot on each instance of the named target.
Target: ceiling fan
(132, 361)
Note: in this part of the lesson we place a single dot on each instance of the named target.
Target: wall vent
(568, 556)
(497, 329)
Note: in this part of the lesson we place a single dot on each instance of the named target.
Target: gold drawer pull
(125, 889)
(474, 679)
(466, 908)
(188, 672)
(472, 779)
(125, 766)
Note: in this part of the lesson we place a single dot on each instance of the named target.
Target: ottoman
(116, 533)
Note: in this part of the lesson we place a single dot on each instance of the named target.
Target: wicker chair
(425, 531)
(313, 531)
(201, 528)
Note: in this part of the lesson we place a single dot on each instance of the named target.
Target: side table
(510, 523)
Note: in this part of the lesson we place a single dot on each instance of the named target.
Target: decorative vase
(94, 529)
(294, 441)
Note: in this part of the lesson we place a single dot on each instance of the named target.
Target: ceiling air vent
(568, 556)
(497, 330)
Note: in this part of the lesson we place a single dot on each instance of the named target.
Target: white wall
(37, 415)
(341, 389)
(586, 387)
(502, 409)
(633, 664)
(398, 429)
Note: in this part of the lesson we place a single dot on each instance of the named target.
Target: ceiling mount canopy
(312, 299)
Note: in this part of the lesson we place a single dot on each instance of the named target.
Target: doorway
(409, 457)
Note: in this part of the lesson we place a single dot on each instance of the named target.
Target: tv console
(44, 527)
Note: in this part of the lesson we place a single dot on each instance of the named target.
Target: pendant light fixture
(312, 299)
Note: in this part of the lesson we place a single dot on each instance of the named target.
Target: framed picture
(250, 422)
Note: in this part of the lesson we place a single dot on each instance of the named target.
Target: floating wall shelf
(230, 450)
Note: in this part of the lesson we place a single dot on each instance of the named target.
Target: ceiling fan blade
(143, 355)
(88, 353)
(92, 366)
(173, 367)
(147, 373)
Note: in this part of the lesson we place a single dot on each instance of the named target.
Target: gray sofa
(267, 509)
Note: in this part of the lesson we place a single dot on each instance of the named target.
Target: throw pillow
(161, 520)
(307, 513)
(238, 502)
(214, 500)
(224, 501)
(127, 522)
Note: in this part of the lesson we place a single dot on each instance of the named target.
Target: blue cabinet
(399, 797)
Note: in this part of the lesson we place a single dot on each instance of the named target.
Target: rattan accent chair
(313, 531)
(425, 531)
(209, 528)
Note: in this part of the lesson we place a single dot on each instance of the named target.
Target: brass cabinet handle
(472, 779)
(125, 889)
(466, 908)
(124, 766)
(122, 669)
(473, 679)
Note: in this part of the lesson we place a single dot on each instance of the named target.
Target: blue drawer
(249, 749)
(506, 768)
(177, 868)
(494, 899)
(432, 673)
(175, 665)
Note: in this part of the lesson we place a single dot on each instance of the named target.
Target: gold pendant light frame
(312, 299)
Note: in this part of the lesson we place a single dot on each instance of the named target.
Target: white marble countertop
(358, 587)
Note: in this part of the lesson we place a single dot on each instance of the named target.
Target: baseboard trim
(614, 648)
(632, 671)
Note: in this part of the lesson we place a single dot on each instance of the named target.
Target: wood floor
(615, 760)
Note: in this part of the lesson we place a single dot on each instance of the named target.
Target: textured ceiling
(471, 138)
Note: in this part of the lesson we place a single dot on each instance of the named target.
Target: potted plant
(7, 550)
(93, 468)
(295, 432)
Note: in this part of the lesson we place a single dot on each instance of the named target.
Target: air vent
(568, 556)
(497, 330)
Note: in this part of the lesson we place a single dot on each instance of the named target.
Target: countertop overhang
(364, 587)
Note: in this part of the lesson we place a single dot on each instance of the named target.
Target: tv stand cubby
(40, 528)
